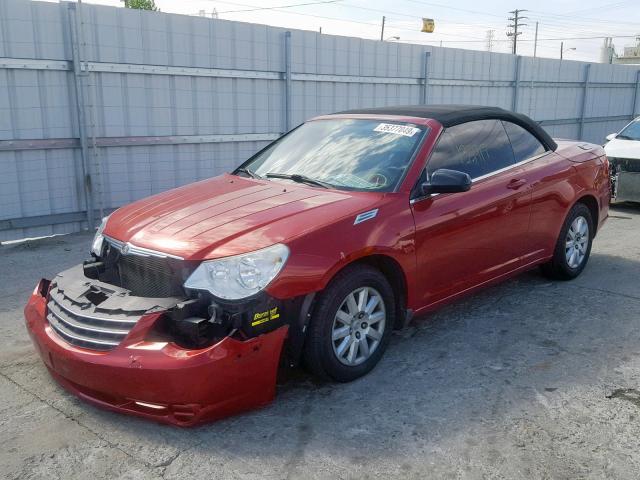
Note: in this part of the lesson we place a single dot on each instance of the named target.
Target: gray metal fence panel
(101, 106)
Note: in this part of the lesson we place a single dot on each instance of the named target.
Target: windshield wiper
(625, 137)
(296, 177)
(246, 171)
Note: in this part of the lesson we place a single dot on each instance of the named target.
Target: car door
(549, 178)
(466, 239)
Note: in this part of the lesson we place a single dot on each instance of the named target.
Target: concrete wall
(100, 106)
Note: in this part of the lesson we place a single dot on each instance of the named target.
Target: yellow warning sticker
(263, 317)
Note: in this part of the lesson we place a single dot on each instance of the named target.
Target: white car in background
(623, 151)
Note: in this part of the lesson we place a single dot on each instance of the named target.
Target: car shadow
(630, 207)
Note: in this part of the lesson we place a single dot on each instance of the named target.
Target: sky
(459, 24)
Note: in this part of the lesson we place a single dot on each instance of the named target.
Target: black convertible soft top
(449, 115)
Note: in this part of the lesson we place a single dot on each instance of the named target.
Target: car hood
(621, 148)
(229, 215)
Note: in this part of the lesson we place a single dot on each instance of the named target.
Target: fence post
(425, 79)
(636, 95)
(516, 84)
(80, 111)
(585, 89)
(287, 81)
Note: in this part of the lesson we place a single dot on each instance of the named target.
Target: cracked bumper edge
(162, 381)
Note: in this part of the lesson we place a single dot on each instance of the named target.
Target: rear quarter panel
(592, 175)
(559, 180)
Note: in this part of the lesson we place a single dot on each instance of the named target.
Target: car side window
(524, 144)
(477, 148)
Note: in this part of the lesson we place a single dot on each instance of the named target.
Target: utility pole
(562, 49)
(382, 29)
(489, 39)
(535, 42)
(514, 28)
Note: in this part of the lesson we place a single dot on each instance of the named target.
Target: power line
(548, 17)
(350, 21)
(448, 7)
(599, 8)
(408, 15)
(420, 41)
(304, 14)
(279, 6)
(546, 39)
(576, 20)
(560, 30)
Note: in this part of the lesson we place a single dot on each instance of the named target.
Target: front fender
(316, 257)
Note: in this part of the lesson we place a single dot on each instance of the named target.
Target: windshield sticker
(403, 130)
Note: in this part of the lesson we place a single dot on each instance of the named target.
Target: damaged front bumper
(139, 372)
(625, 179)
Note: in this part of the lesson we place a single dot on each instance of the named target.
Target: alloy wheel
(358, 326)
(576, 242)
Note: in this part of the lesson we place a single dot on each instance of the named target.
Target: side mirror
(611, 136)
(446, 181)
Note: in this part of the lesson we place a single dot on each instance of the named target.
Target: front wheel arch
(319, 353)
(394, 274)
(385, 264)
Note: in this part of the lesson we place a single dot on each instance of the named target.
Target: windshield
(631, 131)
(346, 154)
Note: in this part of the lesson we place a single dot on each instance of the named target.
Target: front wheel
(573, 246)
(351, 324)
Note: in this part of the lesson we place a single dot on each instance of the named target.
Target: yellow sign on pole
(428, 25)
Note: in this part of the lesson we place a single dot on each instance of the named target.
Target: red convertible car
(313, 250)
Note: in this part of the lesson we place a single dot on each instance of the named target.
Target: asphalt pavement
(528, 379)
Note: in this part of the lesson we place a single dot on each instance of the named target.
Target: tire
(335, 315)
(563, 266)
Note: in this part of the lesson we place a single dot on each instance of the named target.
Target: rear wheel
(573, 246)
(351, 325)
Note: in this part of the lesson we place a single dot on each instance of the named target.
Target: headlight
(239, 276)
(98, 239)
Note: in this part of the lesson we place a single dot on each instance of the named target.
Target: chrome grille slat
(80, 326)
(88, 330)
(114, 319)
(135, 250)
(66, 334)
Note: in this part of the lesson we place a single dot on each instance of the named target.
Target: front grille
(145, 273)
(93, 330)
(148, 276)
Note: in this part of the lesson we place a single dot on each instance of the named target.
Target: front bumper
(160, 380)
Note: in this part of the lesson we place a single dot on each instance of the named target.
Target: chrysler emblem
(125, 249)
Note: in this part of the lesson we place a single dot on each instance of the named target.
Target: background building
(631, 55)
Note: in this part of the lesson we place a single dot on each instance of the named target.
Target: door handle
(516, 183)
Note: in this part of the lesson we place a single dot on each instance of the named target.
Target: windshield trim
(425, 129)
